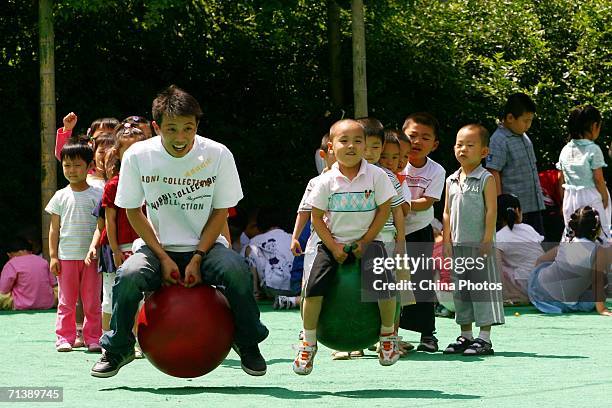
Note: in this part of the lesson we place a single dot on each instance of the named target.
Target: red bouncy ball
(186, 332)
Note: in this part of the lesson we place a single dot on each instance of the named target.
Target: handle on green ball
(348, 248)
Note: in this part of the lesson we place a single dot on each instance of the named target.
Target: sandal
(479, 347)
(459, 346)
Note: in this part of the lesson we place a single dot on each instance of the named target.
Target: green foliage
(260, 69)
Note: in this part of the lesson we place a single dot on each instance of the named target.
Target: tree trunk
(48, 180)
(360, 86)
(335, 53)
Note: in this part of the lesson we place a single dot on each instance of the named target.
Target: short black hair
(482, 132)
(102, 123)
(173, 101)
(18, 244)
(518, 104)
(342, 122)
(393, 136)
(426, 119)
(373, 127)
(77, 151)
(324, 141)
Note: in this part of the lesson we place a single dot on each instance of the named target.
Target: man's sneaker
(459, 346)
(479, 347)
(94, 348)
(79, 341)
(63, 347)
(303, 363)
(109, 364)
(388, 354)
(251, 360)
(428, 344)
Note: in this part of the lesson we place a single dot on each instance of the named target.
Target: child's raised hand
(70, 121)
(296, 248)
(338, 252)
(54, 265)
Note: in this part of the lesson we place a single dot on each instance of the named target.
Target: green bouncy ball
(346, 323)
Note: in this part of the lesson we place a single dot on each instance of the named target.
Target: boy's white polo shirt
(350, 205)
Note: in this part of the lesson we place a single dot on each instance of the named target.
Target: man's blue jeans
(221, 267)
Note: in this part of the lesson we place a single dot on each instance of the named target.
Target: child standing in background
(470, 213)
(97, 127)
(425, 179)
(512, 160)
(119, 232)
(581, 163)
(70, 232)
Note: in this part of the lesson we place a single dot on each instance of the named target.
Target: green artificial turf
(540, 361)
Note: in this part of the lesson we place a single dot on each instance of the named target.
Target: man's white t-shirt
(350, 205)
(426, 181)
(180, 192)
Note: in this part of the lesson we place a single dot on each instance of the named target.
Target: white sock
(485, 335)
(310, 336)
(387, 330)
(467, 334)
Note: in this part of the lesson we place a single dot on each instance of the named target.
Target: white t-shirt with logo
(350, 205)
(272, 258)
(180, 192)
(426, 181)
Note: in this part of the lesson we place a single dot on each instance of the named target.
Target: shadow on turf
(471, 359)
(284, 393)
(231, 363)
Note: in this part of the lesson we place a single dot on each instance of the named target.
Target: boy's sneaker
(94, 348)
(64, 347)
(428, 344)
(109, 364)
(304, 361)
(388, 352)
(479, 347)
(251, 360)
(79, 341)
(459, 346)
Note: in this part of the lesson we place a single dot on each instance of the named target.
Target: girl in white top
(581, 162)
(518, 246)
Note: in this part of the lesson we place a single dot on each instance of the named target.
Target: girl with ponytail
(571, 277)
(581, 164)
(518, 247)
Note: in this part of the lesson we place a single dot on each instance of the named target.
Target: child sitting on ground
(570, 277)
(356, 198)
(26, 282)
(518, 248)
(270, 258)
